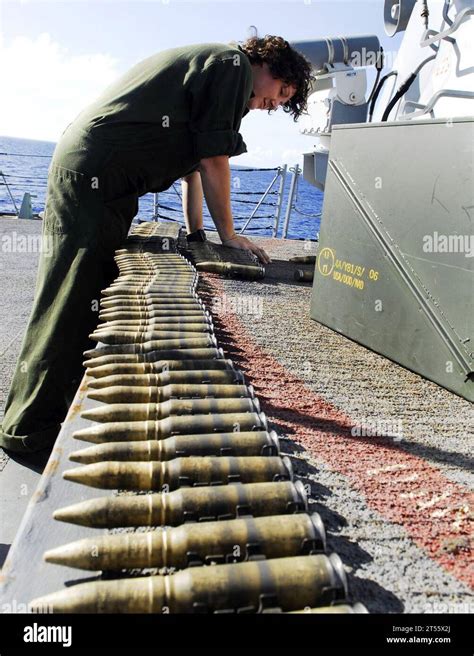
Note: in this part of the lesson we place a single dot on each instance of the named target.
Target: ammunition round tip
(72, 475)
(77, 456)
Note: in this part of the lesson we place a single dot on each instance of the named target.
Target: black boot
(198, 235)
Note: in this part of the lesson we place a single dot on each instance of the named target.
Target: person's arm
(192, 197)
(215, 176)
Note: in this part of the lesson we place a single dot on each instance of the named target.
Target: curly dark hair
(285, 64)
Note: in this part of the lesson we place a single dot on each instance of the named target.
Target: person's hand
(239, 241)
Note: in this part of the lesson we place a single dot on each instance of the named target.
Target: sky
(57, 56)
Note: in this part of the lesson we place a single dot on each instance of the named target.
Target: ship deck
(395, 505)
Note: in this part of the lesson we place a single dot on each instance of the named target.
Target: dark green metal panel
(395, 261)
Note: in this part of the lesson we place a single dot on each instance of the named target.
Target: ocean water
(24, 166)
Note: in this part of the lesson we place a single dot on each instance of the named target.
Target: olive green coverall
(145, 131)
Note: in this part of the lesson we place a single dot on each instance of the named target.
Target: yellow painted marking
(326, 259)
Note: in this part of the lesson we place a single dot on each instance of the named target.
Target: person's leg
(192, 199)
(81, 235)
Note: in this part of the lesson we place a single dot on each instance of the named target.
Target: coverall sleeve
(219, 96)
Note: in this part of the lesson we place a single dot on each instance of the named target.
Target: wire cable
(405, 87)
(379, 64)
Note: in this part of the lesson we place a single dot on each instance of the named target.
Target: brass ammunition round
(184, 275)
(155, 281)
(154, 411)
(165, 290)
(215, 376)
(248, 443)
(137, 268)
(152, 270)
(147, 291)
(162, 366)
(148, 287)
(152, 262)
(150, 256)
(304, 259)
(197, 504)
(142, 312)
(146, 315)
(247, 272)
(142, 289)
(145, 303)
(236, 540)
(180, 425)
(188, 341)
(150, 313)
(136, 259)
(181, 472)
(141, 337)
(284, 583)
(188, 303)
(147, 299)
(138, 324)
(304, 276)
(156, 278)
(153, 266)
(143, 268)
(164, 323)
(154, 284)
(157, 272)
(155, 356)
(161, 257)
(137, 249)
(194, 324)
(150, 395)
(134, 284)
(136, 277)
(148, 304)
(132, 299)
(149, 262)
(138, 336)
(149, 259)
(155, 324)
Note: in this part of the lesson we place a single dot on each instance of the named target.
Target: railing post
(155, 207)
(293, 186)
(9, 192)
(267, 191)
(281, 192)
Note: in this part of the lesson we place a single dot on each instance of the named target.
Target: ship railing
(241, 198)
(273, 196)
(254, 210)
